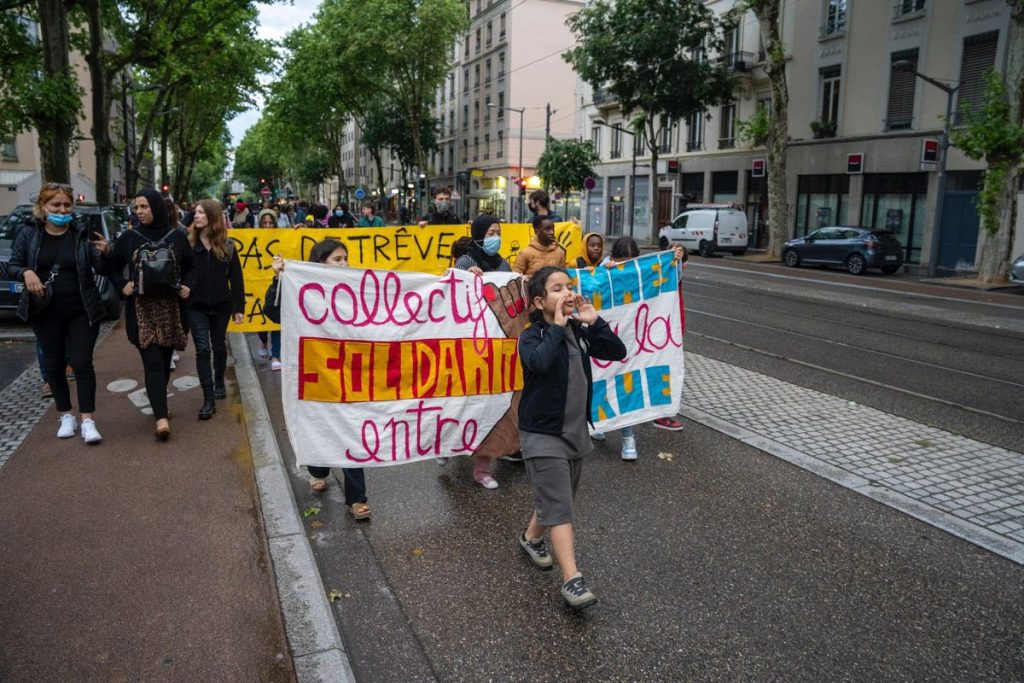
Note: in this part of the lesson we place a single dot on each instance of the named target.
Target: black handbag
(38, 304)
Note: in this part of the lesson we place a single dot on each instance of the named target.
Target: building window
(830, 78)
(465, 80)
(902, 84)
(451, 86)
(465, 151)
(451, 157)
(501, 105)
(835, 18)
(979, 58)
(616, 151)
(465, 117)
(9, 150)
(476, 75)
(501, 24)
(821, 200)
(487, 109)
(487, 146)
(595, 139)
(477, 41)
(476, 113)
(695, 132)
(501, 144)
(895, 202)
(665, 138)
(724, 186)
(501, 65)
(476, 149)
(487, 70)
(727, 127)
(490, 34)
(904, 7)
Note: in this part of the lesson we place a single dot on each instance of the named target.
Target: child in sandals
(554, 411)
(334, 253)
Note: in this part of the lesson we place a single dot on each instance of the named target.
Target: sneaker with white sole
(576, 594)
(538, 552)
(175, 357)
(68, 426)
(264, 352)
(276, 365)
(598, 436)
(89, 432)
(629, 448)
(174, 364)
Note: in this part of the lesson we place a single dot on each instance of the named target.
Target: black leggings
(355, 482)
(156, 363)
(66, 337)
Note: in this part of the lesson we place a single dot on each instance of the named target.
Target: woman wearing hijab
(156, 319)
(481, 256)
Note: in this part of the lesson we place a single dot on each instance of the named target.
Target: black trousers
(156, 364)
(66, 337)
(355, 482)
(208, 331)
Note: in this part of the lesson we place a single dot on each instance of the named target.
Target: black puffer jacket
(25, 256)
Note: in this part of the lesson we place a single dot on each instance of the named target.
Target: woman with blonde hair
(218, 295)
(55, 257)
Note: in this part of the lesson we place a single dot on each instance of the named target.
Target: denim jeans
(275, 344)
(355, 480)
(208, 331)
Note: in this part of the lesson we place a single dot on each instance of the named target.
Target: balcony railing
(726, 143)
(902, 123)
(737, 61)
(905, 8)
(615, 154)
(833, 27)
(693, 145)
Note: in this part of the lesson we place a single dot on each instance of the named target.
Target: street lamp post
(520, 111)
(950, 90)
(632, 171)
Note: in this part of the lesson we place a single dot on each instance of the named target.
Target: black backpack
(156, 267)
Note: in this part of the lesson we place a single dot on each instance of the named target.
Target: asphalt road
(717, 562)
(950, 359)
(17, 348)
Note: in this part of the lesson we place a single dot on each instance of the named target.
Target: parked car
(853, 248)
(707, 229)
(1017, 270)
(96, 218)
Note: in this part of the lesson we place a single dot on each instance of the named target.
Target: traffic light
(521, 182)
(166, 188)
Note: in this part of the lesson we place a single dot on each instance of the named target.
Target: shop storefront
(822, 200)
(895, 202)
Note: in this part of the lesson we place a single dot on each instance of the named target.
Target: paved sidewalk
(133, 559)
(968, 488)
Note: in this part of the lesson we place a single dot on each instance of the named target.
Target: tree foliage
(565, 164)
(651, 56)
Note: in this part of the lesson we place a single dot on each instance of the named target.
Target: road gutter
(318, 653)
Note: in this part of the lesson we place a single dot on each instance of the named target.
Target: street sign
(265, 192)
(456, 196)
(477, 173)
(589, 183)
(855, 163)
(757, 170)
(360, 193)
(929, 154)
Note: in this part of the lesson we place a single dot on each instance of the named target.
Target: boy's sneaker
(89, 432)
(576, 594)
(598, 436)
(538, 552)
(276, 366)
(629, 448)
(671, 424)
(264, 352)
(68, 426)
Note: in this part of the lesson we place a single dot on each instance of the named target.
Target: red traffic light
(166, 188)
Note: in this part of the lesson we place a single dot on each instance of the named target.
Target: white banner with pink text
(387, 367)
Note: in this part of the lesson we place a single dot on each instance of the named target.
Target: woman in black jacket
(55, 257)
(156, 318)
(218, 295)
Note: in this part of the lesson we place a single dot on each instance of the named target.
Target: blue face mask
(59, 219)
(339, 213)
(492, 244)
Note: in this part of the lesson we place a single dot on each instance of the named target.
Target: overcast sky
(275, 22)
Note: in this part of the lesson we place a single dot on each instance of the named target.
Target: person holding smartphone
(57, 259)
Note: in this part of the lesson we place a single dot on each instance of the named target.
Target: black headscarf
(478, 230)
(156, 205)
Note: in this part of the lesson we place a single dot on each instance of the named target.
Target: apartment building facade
(509, 87)
(863, 127)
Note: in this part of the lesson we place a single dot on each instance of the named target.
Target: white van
(707, 229)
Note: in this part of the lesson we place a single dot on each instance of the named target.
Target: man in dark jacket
(442, 213)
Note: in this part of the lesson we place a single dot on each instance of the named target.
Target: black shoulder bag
(38, 304)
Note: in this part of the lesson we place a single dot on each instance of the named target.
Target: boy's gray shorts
(554, 482)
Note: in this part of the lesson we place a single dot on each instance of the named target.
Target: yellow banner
(406, 248)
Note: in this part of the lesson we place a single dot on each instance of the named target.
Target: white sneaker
(174, 364)
(89, 432)
(264, 352)
(68, 426)
(629, 448)
(175, 357)
(598, 436)
(276, 365)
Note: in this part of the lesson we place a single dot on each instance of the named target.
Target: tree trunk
(56, 130)
(768, 15)
(102, 85)
(995, 255)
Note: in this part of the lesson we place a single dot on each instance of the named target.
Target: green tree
(993, 134)
(650, 55)
(769, 18)
(565, 164)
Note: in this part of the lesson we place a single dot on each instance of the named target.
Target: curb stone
(318, 653)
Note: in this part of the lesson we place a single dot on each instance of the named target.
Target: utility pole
(547, 124)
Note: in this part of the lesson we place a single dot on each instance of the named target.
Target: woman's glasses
(63, 187)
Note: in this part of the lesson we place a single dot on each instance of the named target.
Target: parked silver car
(1017, 270)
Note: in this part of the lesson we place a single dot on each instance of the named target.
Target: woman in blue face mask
(482, 253)
(55, 257)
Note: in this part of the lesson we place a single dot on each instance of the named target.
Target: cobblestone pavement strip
(969, 488)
